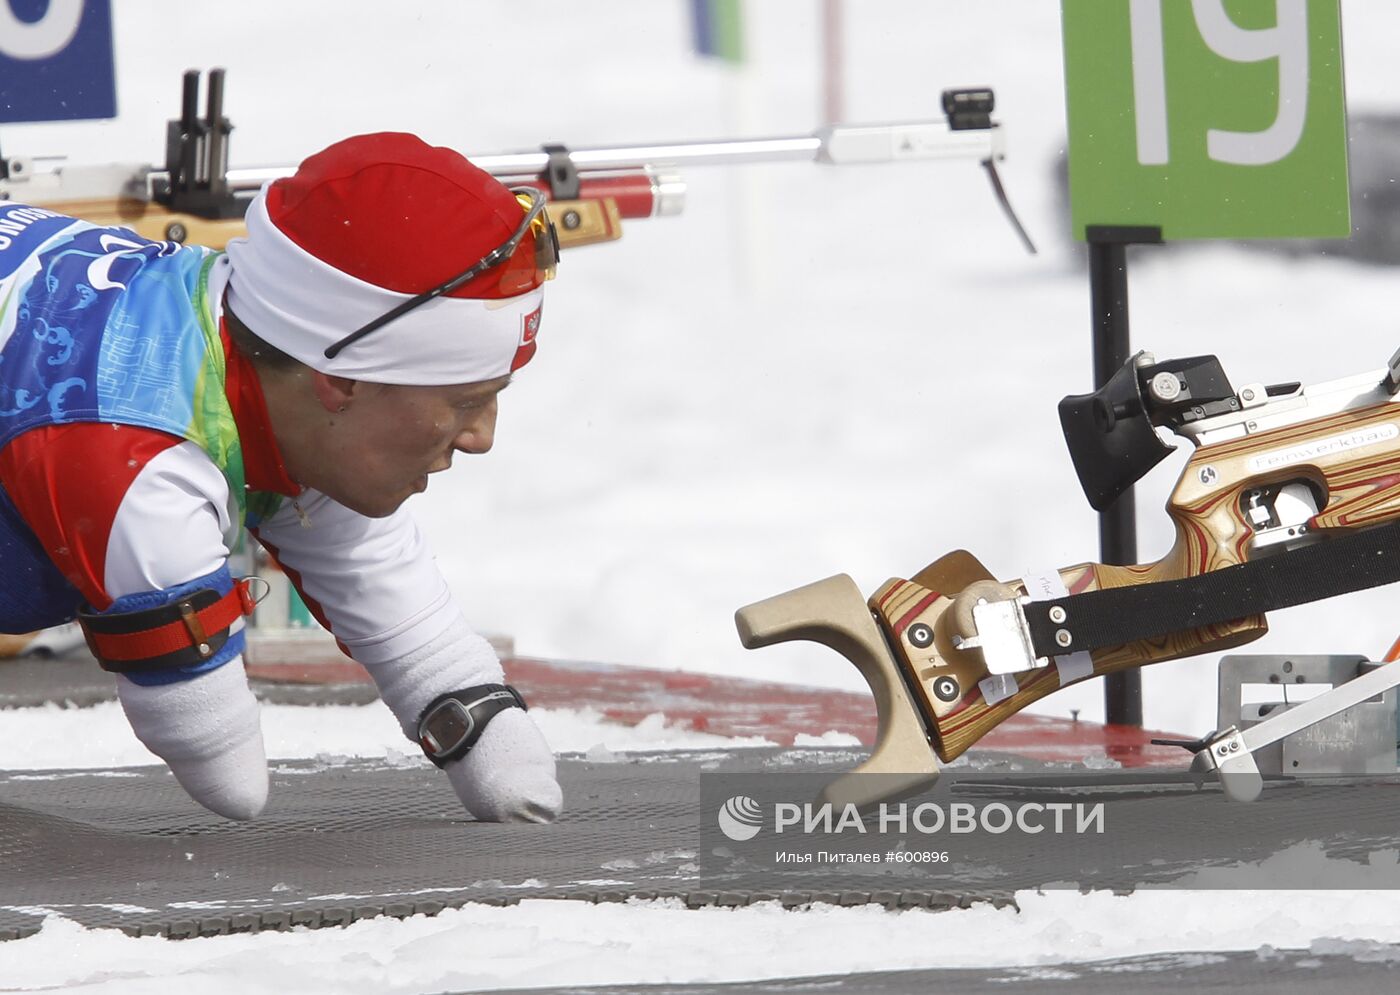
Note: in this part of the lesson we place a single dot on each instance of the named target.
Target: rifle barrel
(833, 145)
(640, 178)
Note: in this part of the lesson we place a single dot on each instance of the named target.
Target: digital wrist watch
(452, 723)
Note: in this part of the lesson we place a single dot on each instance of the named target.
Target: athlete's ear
(333, 393)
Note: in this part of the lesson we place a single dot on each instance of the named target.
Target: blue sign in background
(56, 60)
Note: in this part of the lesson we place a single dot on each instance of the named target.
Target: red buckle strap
(192, 629)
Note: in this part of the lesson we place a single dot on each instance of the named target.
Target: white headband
(302, 305)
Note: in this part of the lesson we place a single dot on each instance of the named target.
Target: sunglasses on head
(518, 271)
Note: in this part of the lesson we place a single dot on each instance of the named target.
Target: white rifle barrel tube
(616, 157)
(833, 145)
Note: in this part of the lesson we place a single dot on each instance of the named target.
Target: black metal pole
(1108, 290)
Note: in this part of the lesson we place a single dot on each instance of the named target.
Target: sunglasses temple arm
(333, 350)
(495, 257)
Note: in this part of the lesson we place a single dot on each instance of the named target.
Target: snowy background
(812, 370)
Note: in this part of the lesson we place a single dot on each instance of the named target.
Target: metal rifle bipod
(1230, 751)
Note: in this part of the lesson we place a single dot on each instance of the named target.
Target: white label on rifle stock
(1048, 586)
(1336, 445)
(998, 687)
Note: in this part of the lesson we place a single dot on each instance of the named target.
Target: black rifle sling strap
(1113, 617)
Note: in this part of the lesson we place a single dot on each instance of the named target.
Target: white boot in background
(58, 641)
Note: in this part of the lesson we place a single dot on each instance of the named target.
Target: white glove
(509, 774)
(206, 730)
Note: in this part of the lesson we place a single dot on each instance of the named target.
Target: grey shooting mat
(341, 841)
(1334, 967)
(75, 680)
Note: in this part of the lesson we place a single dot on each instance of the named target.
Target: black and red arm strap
(187, 631)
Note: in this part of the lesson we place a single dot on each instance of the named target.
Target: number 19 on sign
(1207, 118)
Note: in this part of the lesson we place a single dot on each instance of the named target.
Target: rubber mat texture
(1366, 971)
(345, 841)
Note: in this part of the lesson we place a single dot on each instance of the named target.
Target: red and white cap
(362, 227)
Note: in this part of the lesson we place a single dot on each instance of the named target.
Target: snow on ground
(811, 371)
(540, 943)
(61, 738)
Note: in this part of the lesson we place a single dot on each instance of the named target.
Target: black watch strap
(452, 723)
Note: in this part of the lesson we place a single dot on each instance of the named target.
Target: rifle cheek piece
(1111, 433)
(1110, 438)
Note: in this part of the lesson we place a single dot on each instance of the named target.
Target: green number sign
(1207, 118)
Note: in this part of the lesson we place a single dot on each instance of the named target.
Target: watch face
(445, 727)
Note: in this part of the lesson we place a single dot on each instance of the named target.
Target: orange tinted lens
(534, 259)
(518, 273)
(546, 245)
